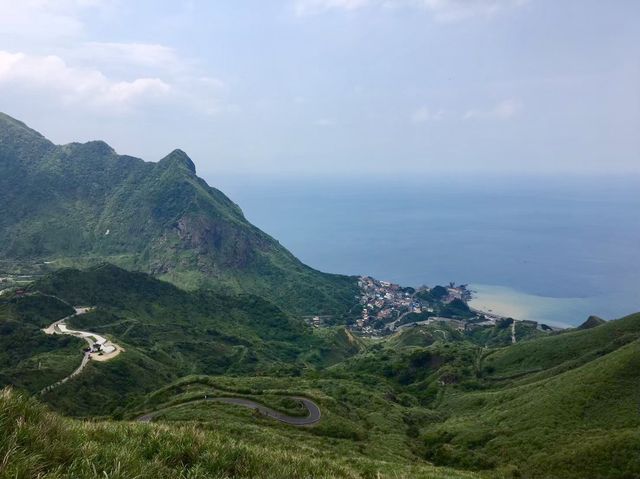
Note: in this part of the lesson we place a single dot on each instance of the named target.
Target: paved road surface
(312, 418)
(85, 360)
(59, 327)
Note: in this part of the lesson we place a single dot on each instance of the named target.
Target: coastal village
(384, 308)
(389, 307)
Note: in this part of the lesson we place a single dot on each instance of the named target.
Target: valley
(437, 399)
(213, 352)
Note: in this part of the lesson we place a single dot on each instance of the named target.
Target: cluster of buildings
(388, 307)
(385, 304)
(382, 302)
(102, 346)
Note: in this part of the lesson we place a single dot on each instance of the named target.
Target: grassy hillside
(568, 348)
(559, 405)
(81, 204)
(580, 423)
(500, 334)
(168, 333)
(357, 419)
(29, 359)
(40, 444)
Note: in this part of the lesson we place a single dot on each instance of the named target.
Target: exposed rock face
(592, 322)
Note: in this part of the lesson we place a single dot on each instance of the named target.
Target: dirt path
(311, 418)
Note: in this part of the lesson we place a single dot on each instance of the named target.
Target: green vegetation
(457, 309)
(450, 399)
(579, 423)
(82, 204)
(551, 406)
(554, 406)
(169, 333)
(500, 334)
(37, 310)
(359, 421)
(561, 350)
(36, 443)
(434, 295)
(30, 359)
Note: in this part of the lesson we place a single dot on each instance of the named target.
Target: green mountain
(178, 346)
(81, 204)
(429, 401)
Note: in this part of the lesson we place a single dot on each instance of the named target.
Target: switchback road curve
(311, 418)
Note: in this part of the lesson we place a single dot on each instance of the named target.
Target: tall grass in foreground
(35, 443)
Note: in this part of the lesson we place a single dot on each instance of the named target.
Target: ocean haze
(550, 249)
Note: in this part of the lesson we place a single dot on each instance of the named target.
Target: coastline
(505, 301)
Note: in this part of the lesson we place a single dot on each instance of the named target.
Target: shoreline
(506, 301)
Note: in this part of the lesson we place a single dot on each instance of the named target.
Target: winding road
(311, 418)
(60, 327)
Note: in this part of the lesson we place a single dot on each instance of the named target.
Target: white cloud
(502, 111)
(91, 88)
(60, 68)
(442, 10)
(76, 86)
(424, 114)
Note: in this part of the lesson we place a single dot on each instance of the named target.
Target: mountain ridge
(82, 203)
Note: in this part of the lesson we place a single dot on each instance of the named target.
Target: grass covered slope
(563, 406)
(37, 443)
(568, 348)
(79, 204)
(30, 359)
(580, 423)
(168, 333)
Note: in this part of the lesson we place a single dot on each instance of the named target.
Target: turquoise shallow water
(559, 312)
(533, 248)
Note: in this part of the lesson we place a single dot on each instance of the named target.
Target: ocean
(547, 249)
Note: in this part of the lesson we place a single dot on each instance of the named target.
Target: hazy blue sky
(320, 87)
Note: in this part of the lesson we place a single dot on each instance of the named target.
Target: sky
(320, 88)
